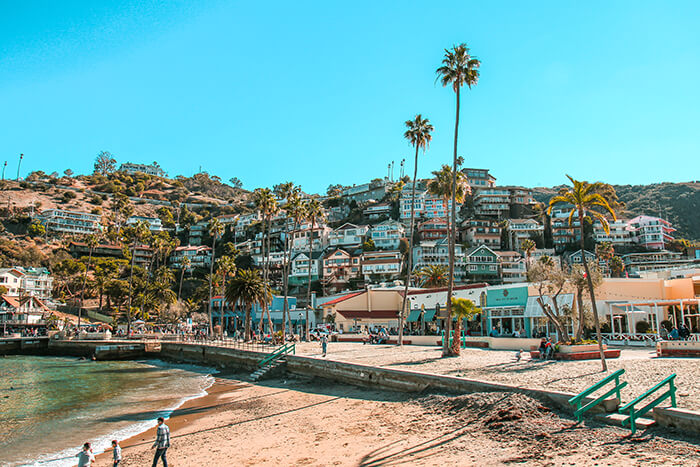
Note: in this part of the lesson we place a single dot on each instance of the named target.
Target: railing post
(672, 390)
(617, 384)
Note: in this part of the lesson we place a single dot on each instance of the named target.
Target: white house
(299, 270)
(71, 222)
(384, 264)
(521, 229)
(199, 256)
(154, 223)
(300, 238)
(348, 235)
(388, 234)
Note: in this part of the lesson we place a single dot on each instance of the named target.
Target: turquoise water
(50, 406)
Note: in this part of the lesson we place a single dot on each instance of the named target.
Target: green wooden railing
(578, 399)
(462, 338)
(634, 412)
(285, 349)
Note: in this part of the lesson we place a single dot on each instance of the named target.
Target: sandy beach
(303, 422)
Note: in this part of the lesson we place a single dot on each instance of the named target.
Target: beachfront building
(367, 309)
(476, 232)
(387, 235)
(299, 270)
(432, 229)
(24, 312)
(513, 268)
(518, 230)
(70, 222)
(504, 310)
(652, 233)
(199, 256)
(234, 316)
(659, 260)
(348, 236)
(154, 223)
(381, 265)
(148, 169)
(482, 264)
(427, 306)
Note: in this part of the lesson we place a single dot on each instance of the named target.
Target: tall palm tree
(92, 241)
(458, 68)
(433, 275)
(296, 208)
(586, 200)
(184, 266)
(138, 234)
(314, 214)
(418, 133)
(226, 267)
(248, 289)
(216, 229)
(266, 204)
(527, 246)
(462, 308)
(291, 194)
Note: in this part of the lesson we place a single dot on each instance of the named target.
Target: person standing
(85, 457)
(162, 442)
(324, 343)
(116, 453)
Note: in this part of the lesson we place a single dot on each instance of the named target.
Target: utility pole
(403, 162)
(3, 170)
(392, 171)
(21, 156)
(388, 172)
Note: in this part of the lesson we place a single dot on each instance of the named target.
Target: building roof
(377, 314)
(343, 298)
(444, 289)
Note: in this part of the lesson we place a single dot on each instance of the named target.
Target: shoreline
(189, 411)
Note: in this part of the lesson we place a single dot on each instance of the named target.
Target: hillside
(677, 202)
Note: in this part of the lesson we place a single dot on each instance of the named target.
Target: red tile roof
(376, 314)
(343, 298)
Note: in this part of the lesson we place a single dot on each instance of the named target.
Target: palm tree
(159, 289)
(418, 134)
(292, 195)
(92, 241)
(433, 275)
(296, 208)
(314, 213)
(527, 246)
(216, 229)
(605, 252)
(585, 200)
(226, 267)
(441, 186)
(266, 204)
(248, 289)
(617, 266)
(138, 233)
(461, 309)
(458, 68)
(184, 266)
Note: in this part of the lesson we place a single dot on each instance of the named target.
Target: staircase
(266, 369)
(275, 359)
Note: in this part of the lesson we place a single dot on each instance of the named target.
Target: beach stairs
(273, 363)
(631, 414)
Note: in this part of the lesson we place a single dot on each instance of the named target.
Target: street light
(3, 170)
(21, 156)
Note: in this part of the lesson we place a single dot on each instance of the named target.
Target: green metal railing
(578, 399)
(462, 338)
(634, 413)
(285, 349)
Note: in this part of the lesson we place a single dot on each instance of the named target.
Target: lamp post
(3, 170)
(21, 156)
(301, 316)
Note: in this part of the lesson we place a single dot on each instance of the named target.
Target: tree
(226, 267)
(550, 281)
(578, 278)
(36, 229)
(236, 183)
(617, 266)
(105, 163)
(92, 241)
(248, 289)
(314, 214)
(587, 201)
(433, 276)
(216, 229)
(605, 251)
(458, 68)
(527, 246)
(461, 309)
(369, 245)
(68, 173)
(418, 134)
(449, 186)
(266, 203)
(184, 266)
(137, 234)
(159, 289)
(293, 209)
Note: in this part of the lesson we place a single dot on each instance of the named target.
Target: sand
(642, 368)
(317, 423)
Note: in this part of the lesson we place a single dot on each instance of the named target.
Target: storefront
(505, 310)
(539, 324)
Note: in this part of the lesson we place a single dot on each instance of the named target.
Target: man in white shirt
(162, 442)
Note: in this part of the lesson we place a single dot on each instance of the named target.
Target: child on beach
(116, 453)
(518, 355)
(85, 457)
(324, 343)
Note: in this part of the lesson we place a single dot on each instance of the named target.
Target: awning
(534, 310)
(413, 316)
(429, 314)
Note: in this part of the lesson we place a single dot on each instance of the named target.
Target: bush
(668, 325)
(69, 195)
(642, 327)
(36, 229)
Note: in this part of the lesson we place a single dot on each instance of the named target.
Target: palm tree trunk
(579, 304)
(451, 244)
(211, 279)
(264, 265)
(594, 307)
(223, 303)
(410, 250)
(285, 282)
(131, 288)
(82, 292)
(247, 321)
(308, 288)
(179, 289)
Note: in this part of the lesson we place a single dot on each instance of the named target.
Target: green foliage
(36, 229)
(68, 196)
(369, 245)
(642, 327)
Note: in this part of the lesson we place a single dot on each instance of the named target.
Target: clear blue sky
(317, 92)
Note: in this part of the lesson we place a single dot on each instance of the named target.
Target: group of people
(681, 332)
(375, 336)
(546, 349)
(86, 457)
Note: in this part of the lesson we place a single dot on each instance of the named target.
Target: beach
(295, 421)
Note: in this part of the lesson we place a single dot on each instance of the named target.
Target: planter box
(580, 348)
(678, 349)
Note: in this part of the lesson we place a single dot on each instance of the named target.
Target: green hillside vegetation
(679, 203)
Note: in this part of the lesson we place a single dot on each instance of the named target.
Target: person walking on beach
(162, 442)
(116, 453)
(85, 457)
(324, 343)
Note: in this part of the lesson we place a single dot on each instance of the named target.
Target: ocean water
(50, 406)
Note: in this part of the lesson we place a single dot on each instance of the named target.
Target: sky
(318, 92)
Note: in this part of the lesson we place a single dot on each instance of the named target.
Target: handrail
(577, 399)
(277, 353)
(634, 414)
